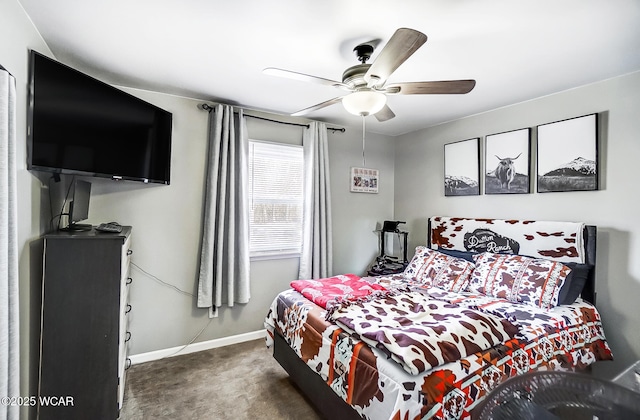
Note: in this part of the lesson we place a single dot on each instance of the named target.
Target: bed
(481, 302)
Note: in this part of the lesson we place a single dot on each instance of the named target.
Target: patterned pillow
(433, 268)
(532, 281)
(411, 271)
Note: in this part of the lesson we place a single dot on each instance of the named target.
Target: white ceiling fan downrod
(364, 165)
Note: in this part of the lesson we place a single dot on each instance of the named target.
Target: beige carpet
(241, 381)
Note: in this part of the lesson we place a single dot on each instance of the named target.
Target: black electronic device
(79, 206)
(110, 227)
(391, 225)
(80, 125)
(386, 265)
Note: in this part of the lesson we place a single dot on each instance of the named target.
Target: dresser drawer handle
(127, 364)
(129, 280)
(128, 337)
(128, 309)
(129, 251)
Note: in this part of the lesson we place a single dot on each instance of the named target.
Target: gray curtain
(9, 325)
(224, 260)
(316, 260)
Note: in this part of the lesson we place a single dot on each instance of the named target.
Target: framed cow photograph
(462, 168)
(508, 163)
(568, 155)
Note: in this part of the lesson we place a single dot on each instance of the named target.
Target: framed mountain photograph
(568, 155)
(462, 168)
(507, 162)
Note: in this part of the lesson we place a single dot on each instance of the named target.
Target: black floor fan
(558, 395)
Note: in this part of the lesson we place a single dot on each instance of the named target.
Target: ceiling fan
(366, 83)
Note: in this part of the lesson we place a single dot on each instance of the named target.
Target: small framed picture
(507, 162)
(462, 168)
(568, 155)
(364, 180)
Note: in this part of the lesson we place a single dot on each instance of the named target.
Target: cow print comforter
(567, 337)
(420, 332)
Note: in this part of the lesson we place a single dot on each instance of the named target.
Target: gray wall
(419, 193)
(166, 224)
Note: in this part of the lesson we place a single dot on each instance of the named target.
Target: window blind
(276, 198)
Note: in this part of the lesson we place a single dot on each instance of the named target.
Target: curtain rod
(209, 108)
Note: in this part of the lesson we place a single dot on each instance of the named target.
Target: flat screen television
(80, 125)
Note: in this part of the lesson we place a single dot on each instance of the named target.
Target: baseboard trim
(195, 347)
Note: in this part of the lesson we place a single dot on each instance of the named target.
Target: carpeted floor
(242, 381)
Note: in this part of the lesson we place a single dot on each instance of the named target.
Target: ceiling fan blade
(317, 106)
(401, 46)
(384, 114)
(431, 88)
(288, 74)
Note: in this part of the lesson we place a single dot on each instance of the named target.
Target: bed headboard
(589, 291)
(560, 241)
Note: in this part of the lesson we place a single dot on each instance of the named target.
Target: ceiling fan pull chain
(364, 165)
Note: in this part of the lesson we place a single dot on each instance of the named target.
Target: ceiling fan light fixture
(364, 102)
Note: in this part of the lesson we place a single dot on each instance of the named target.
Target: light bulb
(364, 102)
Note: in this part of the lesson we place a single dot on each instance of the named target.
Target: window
(275, 201)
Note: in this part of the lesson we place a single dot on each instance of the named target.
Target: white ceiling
(216, 50)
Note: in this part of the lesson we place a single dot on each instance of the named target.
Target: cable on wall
(164, 283)
(177, 289)
(190, 342)
(64, 203)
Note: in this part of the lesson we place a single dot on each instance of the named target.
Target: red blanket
(347, 286)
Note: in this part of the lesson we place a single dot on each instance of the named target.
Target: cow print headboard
(560, 241)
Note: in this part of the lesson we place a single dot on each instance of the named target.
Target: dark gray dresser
(83, 340)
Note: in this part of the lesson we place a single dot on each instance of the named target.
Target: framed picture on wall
(568, 155)
(507, 162)
(364, 180)
(462, 168)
